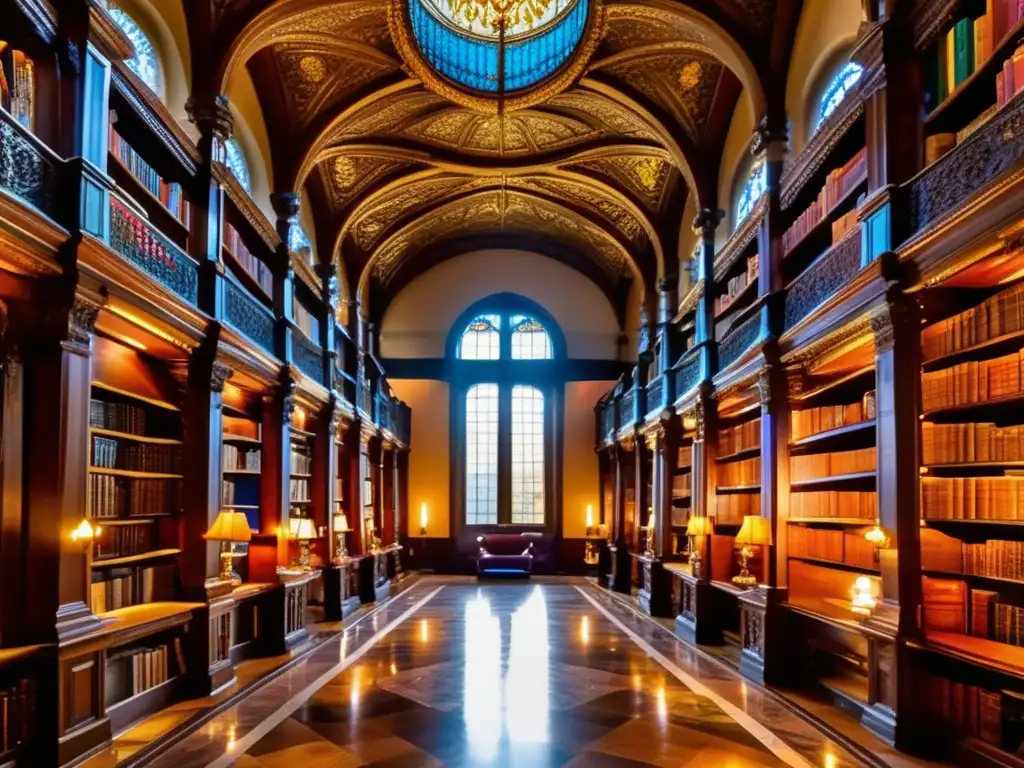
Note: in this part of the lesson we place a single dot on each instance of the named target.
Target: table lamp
(303, 531)
(229, 527)
(755, 532)
(340, 529)
(696, 529)
(651, 523)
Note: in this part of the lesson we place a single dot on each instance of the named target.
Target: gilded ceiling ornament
(611, 117)
(631, 26)
(347, 176)
(648, 177)
(690, 75)
(344, 173)
(313, 68)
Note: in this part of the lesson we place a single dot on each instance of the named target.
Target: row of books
(680, 516)
(819, 465)
(811, 421)
(739, 438)
(137, 670)
(259, 271)
(123, 541)
(111, 496)
(132, 586)
(18, 85)
(838, 184)
(730, 509)
(736, 284)
(950, 606)
(970, 443)
(746, 472)
(306, 321)
(840, 504)
(995, 559)
(938, 144)
(17, 714)
(835, 545)
(684, 458)
(235, 457)
(118, 417)
(136, 457)
(245, 492)
(168, 193)
(967, 710)
(1010, 79)
(972, 382)
(299, 463)
(972, 498)
(298, 489)
(681, 486)
(996, 316)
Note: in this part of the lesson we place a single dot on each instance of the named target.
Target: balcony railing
(688, 372)
(739, 340)
(401, 421)
(364, 397)
(986, 154)
(308, 357)
(28, 169)
(627, 408)
(139, 242)
(606, 423)
(823, 279)
(248, 316)
(383, 415)
(658, 393)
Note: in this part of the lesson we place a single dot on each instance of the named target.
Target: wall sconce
(340, 529)
(755, 532)
(879, 538)
(423, 519)
(590, 554)
(863, 596)
(84, 533)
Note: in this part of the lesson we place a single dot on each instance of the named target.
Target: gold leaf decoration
(346, 176)
(649, 178)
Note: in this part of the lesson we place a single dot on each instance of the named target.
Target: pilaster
(286, 206)
(278, 407)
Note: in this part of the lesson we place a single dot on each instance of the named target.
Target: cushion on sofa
(504, 544)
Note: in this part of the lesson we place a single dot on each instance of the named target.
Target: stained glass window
(145, 64)
(529, 339)
(234, 159)
(299, 242)
(527, 456)
(757, 184)
(837, 89)
(481, 340)
(461, 38)
(482, 454)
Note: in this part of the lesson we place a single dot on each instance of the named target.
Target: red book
(1000, 89)
(1018, 70)
(945, 605)
(1008, 80)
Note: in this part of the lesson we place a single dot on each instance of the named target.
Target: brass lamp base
(340, 551)
(304, 555)
(744, 578)
(227, 562)
(590, 556)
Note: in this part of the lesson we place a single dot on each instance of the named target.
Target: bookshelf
(134, 480)
(241, 456)
(252, 271)
(738, 470)
(681, 497)
(18, 85)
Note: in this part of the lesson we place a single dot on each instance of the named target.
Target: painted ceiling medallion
(496, 56)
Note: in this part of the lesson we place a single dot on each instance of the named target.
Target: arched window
(755, 186)
(503, 351)
(298, 241)
(837, 89)
(146, 63)
(234, 159)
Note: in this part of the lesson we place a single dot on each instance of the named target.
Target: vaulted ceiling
(401, 172)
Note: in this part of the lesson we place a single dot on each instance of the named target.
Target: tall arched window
(502, 354)
(755, 186)
(146, 63)
(234, 159)
(837, 89)
(298, 241)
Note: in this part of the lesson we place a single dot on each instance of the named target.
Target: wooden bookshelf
(853, 479)
(156, 554)
(241, 456)
(825, 440)
(746, 453)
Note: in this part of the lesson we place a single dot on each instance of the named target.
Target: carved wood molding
(245, 205)
(107, 35)
(882, 328)
(830, 346)
(740, 239)
(930, 18)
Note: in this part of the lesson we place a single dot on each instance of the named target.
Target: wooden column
(274, 479)
(897, 329)
(12, 474)
(388, 488)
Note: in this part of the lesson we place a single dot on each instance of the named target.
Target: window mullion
(504, 453)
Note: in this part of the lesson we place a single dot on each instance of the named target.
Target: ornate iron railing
(364, 397)
(27, 168)
(986, 154)
(402, 421)
(627, 408)
(739, 340)
(657, 393)
(248, 316)
(606, 420)
(140, 243)
(823, 279)
(383, 416)
(308, 357)
(688, 372)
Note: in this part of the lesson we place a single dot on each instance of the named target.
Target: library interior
(512, 383)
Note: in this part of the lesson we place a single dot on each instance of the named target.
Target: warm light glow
(84, 532)
(424, 631)
(590, 515)
(698, 526)
(423, 515)
(755, 530)
(662, 704)
(142, 323)
(831, 761)
(132, 342)
(585, 630)
(301, 528)
(341, 524)
(394, 668)
(877, 536)
(230, 526)
(863, 599)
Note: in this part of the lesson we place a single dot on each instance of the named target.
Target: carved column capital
(219, 375)
(81, 322)
(706, 222)
(769, 139)
(211, 116)
(881, 326)
(764, 386)
(794, 382)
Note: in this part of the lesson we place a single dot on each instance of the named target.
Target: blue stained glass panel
(237, 164)
(146, 63)
(837, 89)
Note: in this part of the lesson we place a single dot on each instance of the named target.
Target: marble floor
(459, 673)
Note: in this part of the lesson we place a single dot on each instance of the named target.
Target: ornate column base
(766, 653)
(341, 590)
(696, 622)
(620, 578)
(655, 591)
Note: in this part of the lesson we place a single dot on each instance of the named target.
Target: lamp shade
(302, 528)
(341, 524)
(755, 530)
(230, 526)
(698, 526)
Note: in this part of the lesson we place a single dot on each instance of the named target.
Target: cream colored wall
(580, 483)
(827, 29)
(428, 459)
(687, 239)
(306, 219)
(632, 322)
(251, 133)
(735, 156)
(419, 319)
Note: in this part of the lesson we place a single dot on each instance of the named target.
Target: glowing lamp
(303, 531)
(863, 597)
(755, 532)
(340, 529)
(229, 527)
(85, 532)
(423, 519)
(696, 529)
